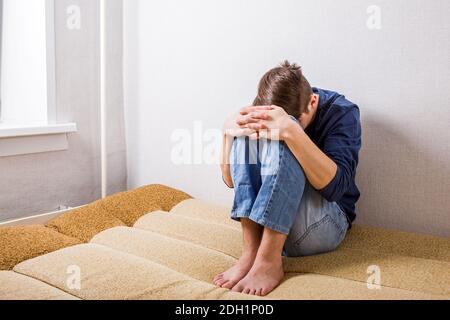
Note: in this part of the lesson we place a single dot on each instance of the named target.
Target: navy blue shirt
(336, 130)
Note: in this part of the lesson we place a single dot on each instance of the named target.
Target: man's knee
(278, 159)
(244, 151)
(273, 157)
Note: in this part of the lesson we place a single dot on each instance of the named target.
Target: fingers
(245, 110)
(260, 115)
(265, 134)
(245, 119)
(255, 116)
(239, 132)
(257, 126)
(250, 109)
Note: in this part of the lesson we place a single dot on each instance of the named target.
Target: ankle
(268, 258)
(249, 253)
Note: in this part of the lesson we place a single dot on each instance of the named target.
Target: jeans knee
(272, 157)
(244, 151)
(289, 165)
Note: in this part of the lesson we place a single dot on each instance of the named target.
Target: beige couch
(156, 242)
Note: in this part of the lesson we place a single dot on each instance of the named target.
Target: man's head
(286, 87)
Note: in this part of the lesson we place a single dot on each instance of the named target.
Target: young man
(291, 158)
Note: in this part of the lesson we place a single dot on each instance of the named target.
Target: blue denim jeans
(271, 189)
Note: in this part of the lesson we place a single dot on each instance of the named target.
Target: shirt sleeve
(342, 145)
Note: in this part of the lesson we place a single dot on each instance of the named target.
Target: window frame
(20, 139)
(51, 60)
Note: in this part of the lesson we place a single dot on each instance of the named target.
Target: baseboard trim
(36, 219)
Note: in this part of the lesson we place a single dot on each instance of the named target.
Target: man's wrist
(292, 130)
(228, 132)
(226, 148)
(227, 136)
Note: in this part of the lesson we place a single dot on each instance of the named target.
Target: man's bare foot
(262, 278)
(229, 278)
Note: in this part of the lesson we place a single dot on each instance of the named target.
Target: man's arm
(232, 129)
(318, 167)
(227, 143)
(275, 123)
(330, 171)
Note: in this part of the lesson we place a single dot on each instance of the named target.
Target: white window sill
(27, 139)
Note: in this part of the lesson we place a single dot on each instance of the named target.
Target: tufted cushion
(25, 242)
(129, 206)
(85, 222)
(120, 209)
(174, 251)
(111, 274)
(19, 287)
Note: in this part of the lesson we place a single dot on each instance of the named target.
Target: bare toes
(216, 278)
(228, 285)
(237, 288)
(258, 292)
(221, 282)
(253, 292)
(246, 291)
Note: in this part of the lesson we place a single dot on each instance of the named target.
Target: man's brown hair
(286, 87)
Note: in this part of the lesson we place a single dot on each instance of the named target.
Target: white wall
(201, 60)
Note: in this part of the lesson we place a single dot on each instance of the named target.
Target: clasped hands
(268, 122)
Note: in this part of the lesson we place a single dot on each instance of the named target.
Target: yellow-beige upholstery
(176, 254)
(85, 222)
(212, 235)
(14, 286)
(172, 248)
(111, 274)
(25, 242)
(117, 210)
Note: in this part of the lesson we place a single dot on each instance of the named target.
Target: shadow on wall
(403, 184)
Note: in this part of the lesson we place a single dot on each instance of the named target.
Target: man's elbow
(333, 191)
(226, 175)
(228, 182)
(332, 197)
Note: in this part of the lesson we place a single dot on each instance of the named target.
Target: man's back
(336, 130)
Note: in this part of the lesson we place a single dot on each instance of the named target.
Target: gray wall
(201, 60)
(32, 184)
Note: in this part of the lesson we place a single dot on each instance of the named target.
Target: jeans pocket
(322, 236)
